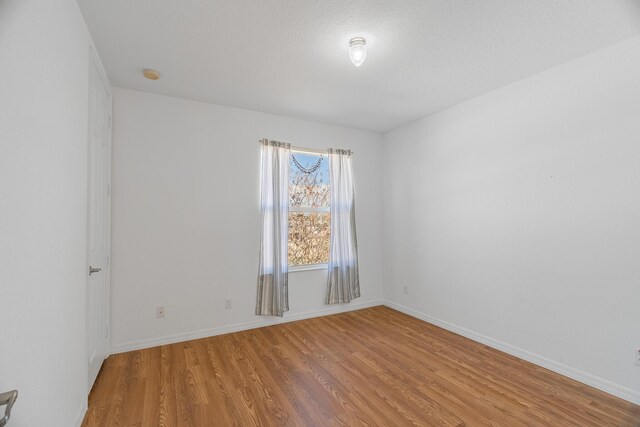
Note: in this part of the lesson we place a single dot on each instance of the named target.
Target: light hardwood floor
(369, 367)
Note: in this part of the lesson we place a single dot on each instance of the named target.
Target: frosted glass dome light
(357, 50)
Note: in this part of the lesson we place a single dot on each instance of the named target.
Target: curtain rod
(309, 150)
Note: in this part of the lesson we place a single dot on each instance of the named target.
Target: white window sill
(308, 267)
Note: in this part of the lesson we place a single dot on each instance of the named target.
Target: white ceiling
(290, 57)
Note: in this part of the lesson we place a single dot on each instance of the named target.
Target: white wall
(44, 68)
(515, 218)
(186, 217)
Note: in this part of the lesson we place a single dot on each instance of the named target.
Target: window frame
(310, 267)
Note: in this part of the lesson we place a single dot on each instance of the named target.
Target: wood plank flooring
(369, 367)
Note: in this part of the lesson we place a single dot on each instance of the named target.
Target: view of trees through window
(309, 216)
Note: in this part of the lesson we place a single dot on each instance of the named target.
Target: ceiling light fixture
(357, 50)
(151, 74)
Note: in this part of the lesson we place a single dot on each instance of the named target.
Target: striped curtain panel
(273, 270)
(343, 282)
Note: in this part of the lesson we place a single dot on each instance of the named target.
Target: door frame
(96, 63)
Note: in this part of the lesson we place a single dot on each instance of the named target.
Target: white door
(99, 220)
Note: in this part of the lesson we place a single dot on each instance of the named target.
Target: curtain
(343, 283)
(273, 271)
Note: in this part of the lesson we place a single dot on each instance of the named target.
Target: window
(309, 215)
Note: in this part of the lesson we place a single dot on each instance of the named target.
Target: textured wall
(44, 48)
(186, 216)
(515, 216)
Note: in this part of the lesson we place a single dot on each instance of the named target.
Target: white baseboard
(607, 386)
(205, 333)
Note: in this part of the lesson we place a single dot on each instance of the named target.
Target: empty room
(319, 213)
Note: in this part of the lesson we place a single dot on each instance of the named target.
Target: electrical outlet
(638, 356)
(405, 288)
(159, 312)
(227, 304)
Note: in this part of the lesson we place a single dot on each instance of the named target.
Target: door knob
(94, 270)
(8, 398)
